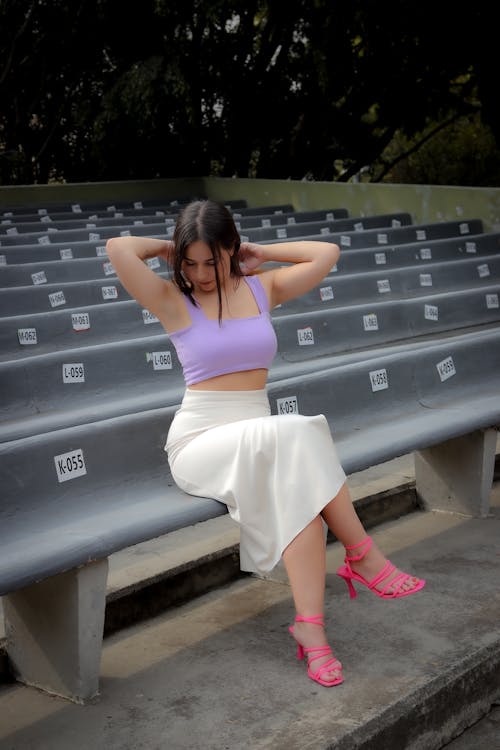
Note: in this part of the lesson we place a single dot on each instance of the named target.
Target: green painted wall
(133, 190)
(425, 203)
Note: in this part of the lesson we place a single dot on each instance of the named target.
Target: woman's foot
(371, 565)
(311, 635)
(365, 564)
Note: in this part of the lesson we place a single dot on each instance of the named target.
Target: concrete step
(219, 671)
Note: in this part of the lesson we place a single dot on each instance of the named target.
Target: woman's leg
(343, 522)
(305, 563)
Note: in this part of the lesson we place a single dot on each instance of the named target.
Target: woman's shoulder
(261, 285)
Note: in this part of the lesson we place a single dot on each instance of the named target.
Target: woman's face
(198, 267)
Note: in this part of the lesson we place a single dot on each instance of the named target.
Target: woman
(278, 475)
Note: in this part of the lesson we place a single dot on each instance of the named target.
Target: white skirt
(275, 473)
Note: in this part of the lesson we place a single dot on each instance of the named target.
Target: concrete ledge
(145, 599)
(220, 670)
(436, 713)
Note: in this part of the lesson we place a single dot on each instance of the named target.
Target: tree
(317, 90)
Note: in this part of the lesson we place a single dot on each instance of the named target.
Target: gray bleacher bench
(258, 231)
(294, 217)
(69, 383)
(38, 228)
(134, 205)
(62, 502)
(325, 226)
(73, 496)
(127, 219)
(65, 240)
(478, 256)
(384, 238)
(402, 250)
(71, 324)
(31, 300)
(12, 236)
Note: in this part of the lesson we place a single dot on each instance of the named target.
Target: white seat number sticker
(57, 298)
(109, 292)
(384, 286)
(431, 312)
(70, 465)
(370, 322)
(73, 372)
(326, 293)
(379, 380)
(149, 317)
(160, 360)
(80, 321)
(287, 405)
(305, 336)
(39, 278)
(27, 336)
(483, 270)
(108, 269)
(446, 368)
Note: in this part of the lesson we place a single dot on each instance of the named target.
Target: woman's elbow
(112, 245)
(335, 252)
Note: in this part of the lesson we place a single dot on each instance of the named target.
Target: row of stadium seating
(398, 347)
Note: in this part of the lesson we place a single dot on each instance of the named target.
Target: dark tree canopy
(319, 89)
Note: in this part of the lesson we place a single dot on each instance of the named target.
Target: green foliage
(101, 90)
(462, 153)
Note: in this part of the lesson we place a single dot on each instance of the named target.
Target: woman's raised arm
(309, 261)
(128, 256)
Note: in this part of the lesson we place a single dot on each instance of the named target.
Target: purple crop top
(207, 349)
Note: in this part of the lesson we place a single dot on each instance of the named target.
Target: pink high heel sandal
(392, 589)
(319, 652)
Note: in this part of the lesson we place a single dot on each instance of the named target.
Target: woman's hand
(250, 256)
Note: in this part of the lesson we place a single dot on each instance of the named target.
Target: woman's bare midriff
(248, 380)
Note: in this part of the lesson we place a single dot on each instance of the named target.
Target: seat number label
(446, 368)
(74, 372)
(109, 292)
(370, 322)
(70, 465)
(160, 360)
(39, 278)
(148, 317)
(305, 336)
(379, 380)
(56, 299)
(27, 336)
(326, 293)
(287, 405)
(80, 321)
(384, 286)
(431, 312)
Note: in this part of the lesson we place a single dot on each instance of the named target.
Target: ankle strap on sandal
(315, 619)
(363, 547)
